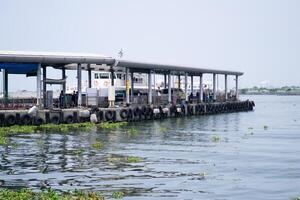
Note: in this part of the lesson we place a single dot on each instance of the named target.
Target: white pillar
(127, 85)
(169, 89)
(226, 88)
(149, 88)
(132, 86)
(201, 88)
(38, 86)
(185, 87)
(214, 87)
(237, 87)
(79, 101)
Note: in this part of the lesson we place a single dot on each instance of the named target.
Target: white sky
(259, 37)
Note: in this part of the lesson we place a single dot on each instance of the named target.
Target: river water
(246, 155)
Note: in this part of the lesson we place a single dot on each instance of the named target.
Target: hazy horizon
(259, 38)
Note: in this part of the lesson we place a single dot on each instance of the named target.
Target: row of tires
(27, 119)
(127, 114)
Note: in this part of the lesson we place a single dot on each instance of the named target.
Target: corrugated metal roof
(59, 59)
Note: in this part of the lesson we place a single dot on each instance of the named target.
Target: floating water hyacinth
(215, 138)
(117, 195)
(27, 194)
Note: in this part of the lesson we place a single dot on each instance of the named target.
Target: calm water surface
(248, 155)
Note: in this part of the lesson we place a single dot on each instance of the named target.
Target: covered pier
(36, 64)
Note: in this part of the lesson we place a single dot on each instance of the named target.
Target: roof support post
(150, 87)
(112, 76)
(214, 88)
(226, 88)
(237, 87)
(132, 86)
(5, 84)
(192, 84)
(165, 81)
(79, 100)
(201, 88)
(169, 89)
(179, 82)
(63, 75)
(38, 86)
(127, 85)
(44, 86)
(185, 87)
(89, 76)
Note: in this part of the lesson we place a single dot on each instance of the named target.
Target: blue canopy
(20, 68)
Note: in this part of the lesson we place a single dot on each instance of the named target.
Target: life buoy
(109, 115)
(124, 114)
(96, 83)
(55, 120)
(26, 119)
(10, 120)
(106, 83)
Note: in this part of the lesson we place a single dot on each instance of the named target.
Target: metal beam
(112, 76)
(192, 84)
(79, 101)
(150, 88)
(226, 95)
(127, 85)
(44, 85)
(132, 86)
(63, 72)
(214, 87)
(5, 83)
(185, 87)
(38, 86)
(169, 89)
(201, 88)
(89, 76)
(237, 87)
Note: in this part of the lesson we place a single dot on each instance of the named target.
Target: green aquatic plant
(132, 131)
(107, 125)
(250, 128)
(117, 195)
(265, 127)
(215, 138)
(97, 145)
(133, 159)
(296, 198)
(118, 159)
(27, 194)
(163, 129)
(3, 140)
